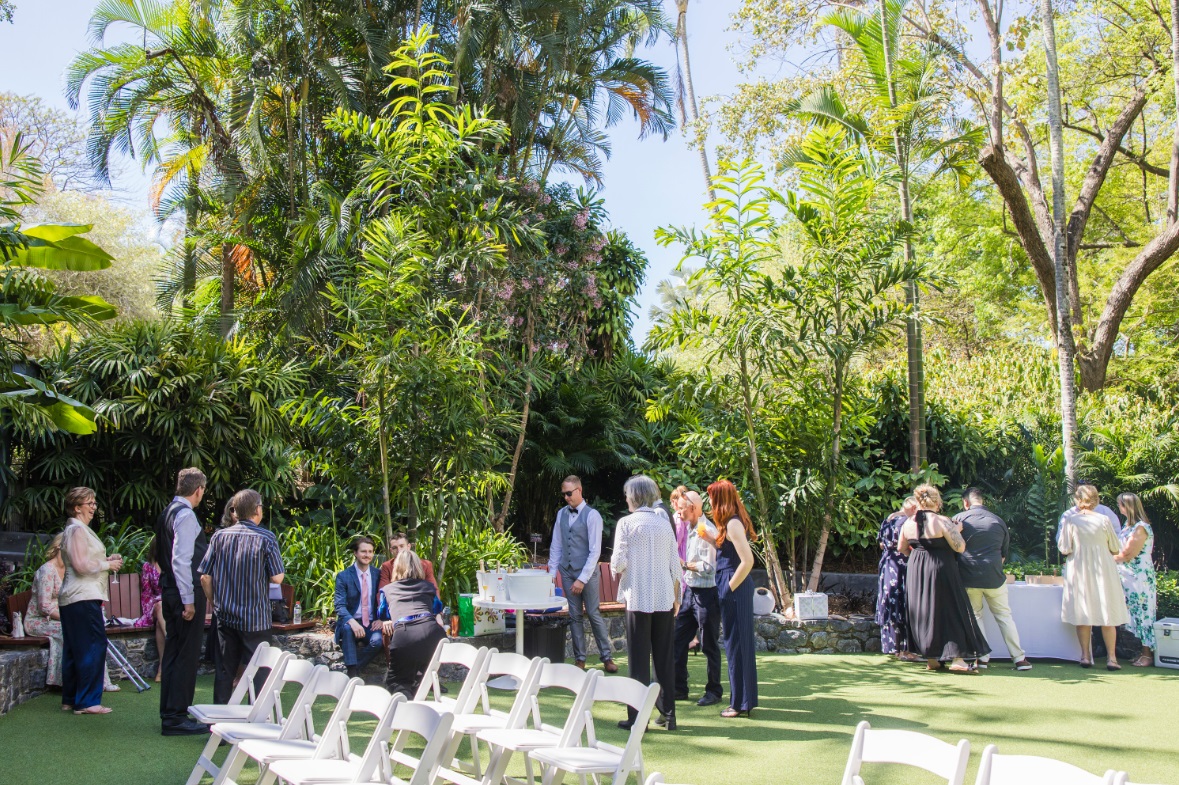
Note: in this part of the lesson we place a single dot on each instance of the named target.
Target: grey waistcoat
(574, 538)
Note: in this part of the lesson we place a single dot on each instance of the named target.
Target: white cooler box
(810, 605)
(1166, 639)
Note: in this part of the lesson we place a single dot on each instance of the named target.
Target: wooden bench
(19, 603)
(607, 590)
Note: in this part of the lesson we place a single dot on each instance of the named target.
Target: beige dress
(1092, 587)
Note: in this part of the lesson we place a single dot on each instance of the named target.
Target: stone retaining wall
(819, 636)
(22, 676)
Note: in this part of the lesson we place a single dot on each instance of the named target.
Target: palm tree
(686, 91)
(1066, 349)
(907, 100)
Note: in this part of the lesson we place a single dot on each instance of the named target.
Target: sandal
(908, 656)
(1143, 661)
(938, 667)
(111, 688)
(95, 710)
(730, 713)
(967, 669)
(1112, 666)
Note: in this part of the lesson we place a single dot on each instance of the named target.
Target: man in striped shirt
(242, 561)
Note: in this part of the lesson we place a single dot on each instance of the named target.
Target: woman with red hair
(734, 562)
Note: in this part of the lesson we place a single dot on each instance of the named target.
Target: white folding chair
(1123, 778)
(380, 763)
(907, 748)
(597, 757)
(300, 725)
(360, 703)
(997, 769)
(524, 672)
(454, 653)
(266, 717)
(505, 742)
(243, 696)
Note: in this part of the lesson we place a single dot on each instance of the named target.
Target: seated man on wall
(358, 631)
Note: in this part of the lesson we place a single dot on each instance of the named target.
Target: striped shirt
(241, 560)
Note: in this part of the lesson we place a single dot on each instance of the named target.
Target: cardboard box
(810, 605)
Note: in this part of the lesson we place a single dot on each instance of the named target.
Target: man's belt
(413, 618)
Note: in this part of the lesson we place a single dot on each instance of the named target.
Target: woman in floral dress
(1136, 569)
(43, 618)
(150, 601)
(891, 613)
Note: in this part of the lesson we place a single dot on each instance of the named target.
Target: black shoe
(626, 724)
(189, 728)
(666, 721)
(353, 671)
(682, 696)
(708, 700)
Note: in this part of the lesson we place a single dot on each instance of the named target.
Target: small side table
(520, 608)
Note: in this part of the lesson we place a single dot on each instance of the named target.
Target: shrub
(467, 548)
(312, 555)
(1168, 596)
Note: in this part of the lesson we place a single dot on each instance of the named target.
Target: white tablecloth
(1036, 610)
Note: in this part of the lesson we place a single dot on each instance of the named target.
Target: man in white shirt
(576, 546)
(1100, 509)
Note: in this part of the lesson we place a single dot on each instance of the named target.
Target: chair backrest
(455, 653)
(265, 656)
(525, 671)
(414, 719)
(19, 603)
(996, 769)
(361, 703)
(559, 675)
(323, 683)
(292, 670)
(907, 748)
(636, 695)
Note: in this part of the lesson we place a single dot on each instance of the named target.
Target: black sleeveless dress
(941, 623)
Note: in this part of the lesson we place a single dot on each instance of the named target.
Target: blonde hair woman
(1136, 567)
(409, 607)
(1092, 590)
(941, 623)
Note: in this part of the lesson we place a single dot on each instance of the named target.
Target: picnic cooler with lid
(1166, 638)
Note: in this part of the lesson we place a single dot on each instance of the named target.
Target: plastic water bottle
(18, 626)
(298, 616)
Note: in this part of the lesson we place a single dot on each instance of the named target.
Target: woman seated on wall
(409, 607)
(43, 618)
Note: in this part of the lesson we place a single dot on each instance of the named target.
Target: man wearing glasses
(576, 546)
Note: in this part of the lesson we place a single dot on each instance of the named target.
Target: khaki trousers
(996, 600)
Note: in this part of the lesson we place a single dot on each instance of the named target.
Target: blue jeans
(359, 652)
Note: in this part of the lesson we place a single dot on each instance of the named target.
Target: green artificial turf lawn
(810, 705)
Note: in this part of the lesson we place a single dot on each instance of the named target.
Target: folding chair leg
(475, 756)
(232, 766)
(528, 769)
(205, 761)
(267, 777)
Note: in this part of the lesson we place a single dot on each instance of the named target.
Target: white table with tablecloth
(1036, 610)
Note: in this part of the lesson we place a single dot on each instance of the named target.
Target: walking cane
(123, 664)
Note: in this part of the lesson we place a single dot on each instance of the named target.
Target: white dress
(1092, 587)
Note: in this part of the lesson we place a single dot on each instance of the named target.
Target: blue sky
(648, 183)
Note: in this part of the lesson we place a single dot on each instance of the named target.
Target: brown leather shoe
(610, 666)
(580, 664)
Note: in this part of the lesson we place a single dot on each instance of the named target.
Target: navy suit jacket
(348, 594)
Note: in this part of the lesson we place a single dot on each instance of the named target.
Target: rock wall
(22, 676)
(820, 636)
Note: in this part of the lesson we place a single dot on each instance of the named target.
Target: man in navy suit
(358, 631)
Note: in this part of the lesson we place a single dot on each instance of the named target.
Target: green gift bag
(466, 614)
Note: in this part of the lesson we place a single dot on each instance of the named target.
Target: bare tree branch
(1133, 157)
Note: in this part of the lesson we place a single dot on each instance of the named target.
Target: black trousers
(410, 650)
(699, 613)
(182, 657)
(83, 654)
(234, 650)
(650, 637)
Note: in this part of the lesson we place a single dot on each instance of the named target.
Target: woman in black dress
(409, 608)
(941, 623)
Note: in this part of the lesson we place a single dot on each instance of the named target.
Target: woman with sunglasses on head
(734, 562)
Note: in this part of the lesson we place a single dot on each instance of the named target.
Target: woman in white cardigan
(648, 561)
(83, 590)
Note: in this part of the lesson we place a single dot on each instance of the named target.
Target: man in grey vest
(981, 568)
(577, 544)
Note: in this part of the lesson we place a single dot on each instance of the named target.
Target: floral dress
(891, 612)
(1140, 584)
(38, 621)
(149, 594)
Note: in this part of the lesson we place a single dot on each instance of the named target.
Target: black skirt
(941, 623)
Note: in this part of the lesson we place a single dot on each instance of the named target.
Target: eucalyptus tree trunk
(1173, 178)
(1066, 348)
(191, 218)
(689, 101)
(832, 481)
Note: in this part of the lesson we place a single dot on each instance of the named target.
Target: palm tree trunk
(228, 280)
(383, 448)
(692, 110)
(503, 513)
(1066, 348)
(1173, 179)
(832, 482)
(782, 592)
(191, 217)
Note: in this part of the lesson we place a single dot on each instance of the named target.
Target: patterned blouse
(648, 559)
(149, 594)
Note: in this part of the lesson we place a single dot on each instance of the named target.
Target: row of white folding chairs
(910, 748)
(255, 728)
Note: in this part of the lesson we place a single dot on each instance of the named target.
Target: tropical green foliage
(470, 546)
